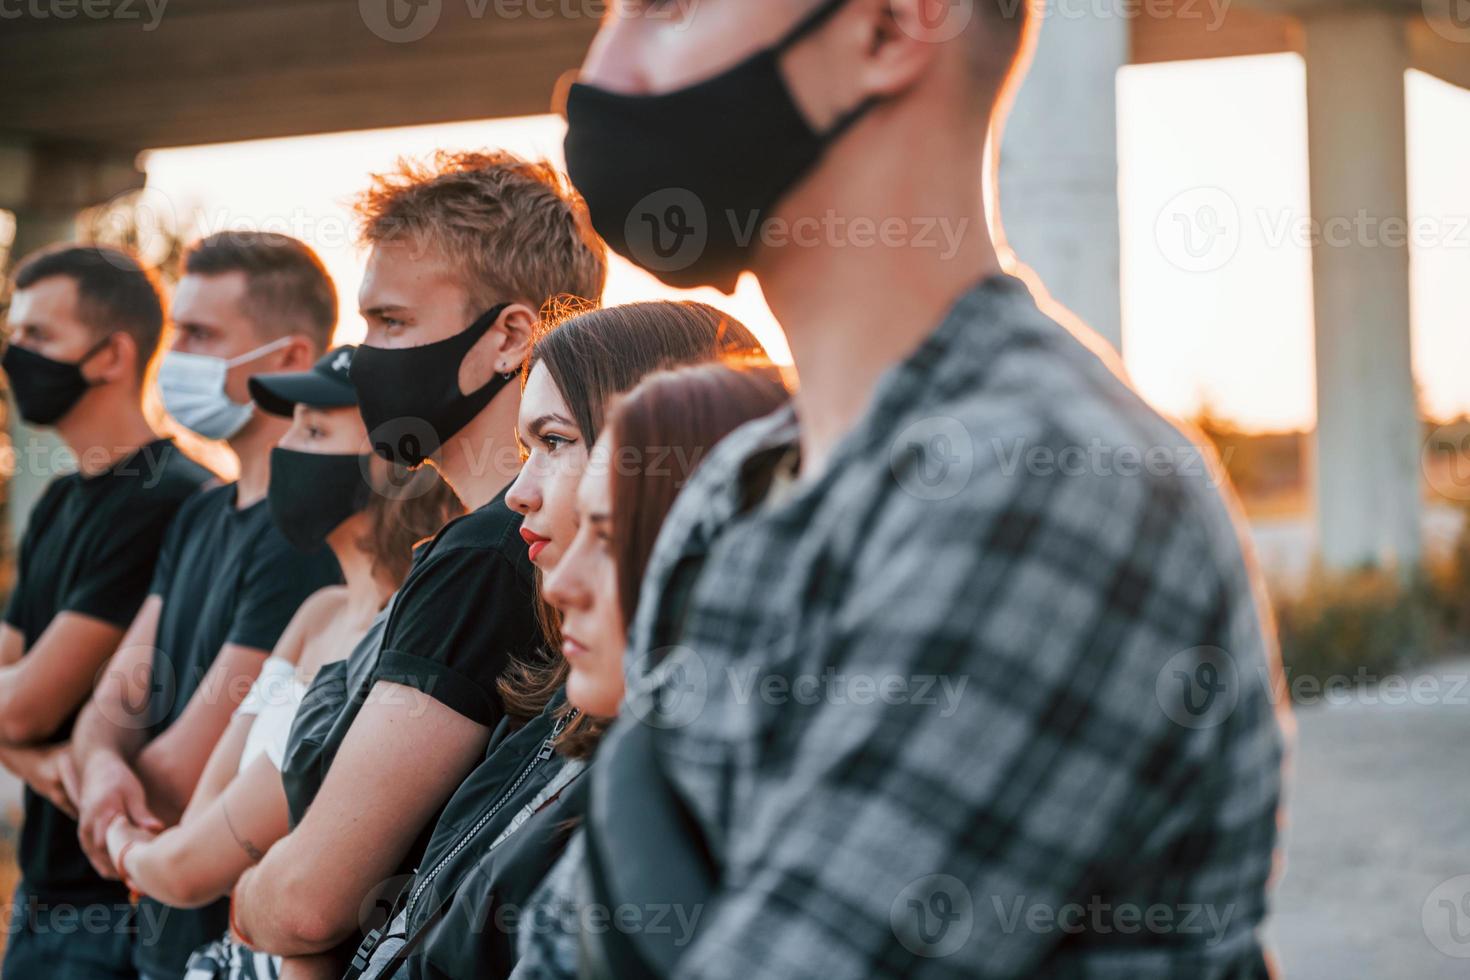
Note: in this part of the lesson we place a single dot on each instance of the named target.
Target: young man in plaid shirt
(964, 497)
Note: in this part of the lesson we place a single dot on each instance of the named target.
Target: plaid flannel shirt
(992, 696)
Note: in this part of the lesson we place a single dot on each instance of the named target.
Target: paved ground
(1379, 821)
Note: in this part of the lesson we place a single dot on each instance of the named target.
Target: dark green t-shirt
(226, 575)
(90, 547)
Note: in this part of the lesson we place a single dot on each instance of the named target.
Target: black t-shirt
(90, 548)
(466, 609)
(226, 575)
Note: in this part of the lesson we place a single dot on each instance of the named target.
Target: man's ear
(299, 355)
(116, 360)
(883, 39)
(516, 326)
(905, 39)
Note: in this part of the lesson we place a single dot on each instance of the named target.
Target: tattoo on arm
(251, 851)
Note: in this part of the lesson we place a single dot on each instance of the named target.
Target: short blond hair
(514, 229)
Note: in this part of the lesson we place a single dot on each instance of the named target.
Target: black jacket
(499, 835)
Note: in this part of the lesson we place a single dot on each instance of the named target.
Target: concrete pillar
(45, 187)
(1366, 469)
(33, 449)
(1058, 188)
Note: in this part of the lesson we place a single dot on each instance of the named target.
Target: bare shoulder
(313, 615)
(322, 605)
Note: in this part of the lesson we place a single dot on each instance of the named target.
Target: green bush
(1451, 583)
(1369, 624)
(1362, 625)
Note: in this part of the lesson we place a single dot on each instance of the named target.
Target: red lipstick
(536, 543)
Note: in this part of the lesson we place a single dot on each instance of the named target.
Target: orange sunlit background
(1237, 339)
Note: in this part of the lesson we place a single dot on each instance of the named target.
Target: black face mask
(311, 494)
(679, 182)
(410, 398)
(45, 389)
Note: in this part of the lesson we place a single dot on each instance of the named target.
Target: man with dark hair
(959, 666)
(83, 325)
(287, 289)
(227, 581)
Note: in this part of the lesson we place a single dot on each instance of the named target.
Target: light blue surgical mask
(193, 390)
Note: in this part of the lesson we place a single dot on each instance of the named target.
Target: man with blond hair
(465, 252)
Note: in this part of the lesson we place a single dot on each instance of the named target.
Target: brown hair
(115, 292)
(514, 229)
(598, 353)
(421, 504)
(658, 435)
(670, 422)
(287, 289)
(592, 356)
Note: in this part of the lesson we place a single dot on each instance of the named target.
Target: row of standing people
(876, 684)
(326, 545)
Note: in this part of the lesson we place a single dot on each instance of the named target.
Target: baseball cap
(326, 385)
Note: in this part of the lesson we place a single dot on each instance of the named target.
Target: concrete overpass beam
(1058, 188)
(1366, 462)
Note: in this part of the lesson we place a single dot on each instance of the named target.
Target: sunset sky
(1238, 337)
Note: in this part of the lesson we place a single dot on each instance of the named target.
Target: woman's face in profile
(332, 431)
(584, 588)
(556, 455)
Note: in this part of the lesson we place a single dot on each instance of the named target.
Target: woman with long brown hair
(655, 438)
(576, 366)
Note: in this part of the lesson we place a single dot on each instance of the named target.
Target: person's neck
(367, 591)
(851, 313)
(481, 459)
(105, 434)
(252, 445)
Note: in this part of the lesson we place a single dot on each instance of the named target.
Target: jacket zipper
(547, 747)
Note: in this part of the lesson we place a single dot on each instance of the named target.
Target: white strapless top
(273, 699)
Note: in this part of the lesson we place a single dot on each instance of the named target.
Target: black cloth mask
(311, 494)
(46, 389)
(410, 399)
(680, 182)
